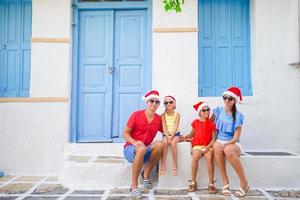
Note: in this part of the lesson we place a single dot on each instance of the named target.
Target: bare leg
(232, 153)
(156, 153)
(197, 154)
(219, 157)
(174, 153)
(210, 166)
(137, 165)
(164, 157)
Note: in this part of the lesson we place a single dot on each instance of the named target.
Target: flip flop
(225, 190)
(241, 192)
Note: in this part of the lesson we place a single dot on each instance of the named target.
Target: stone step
(264, 169)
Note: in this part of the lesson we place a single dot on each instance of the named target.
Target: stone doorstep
(29, 178)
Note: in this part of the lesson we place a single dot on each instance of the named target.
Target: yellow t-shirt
(170, 121)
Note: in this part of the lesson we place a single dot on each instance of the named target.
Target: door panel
(130, 59)
(95, 80)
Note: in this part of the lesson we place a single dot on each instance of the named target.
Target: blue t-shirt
(225, 125)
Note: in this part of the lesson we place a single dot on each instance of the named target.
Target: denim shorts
(129, 153)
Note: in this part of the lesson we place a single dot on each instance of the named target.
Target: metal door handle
(110, 69)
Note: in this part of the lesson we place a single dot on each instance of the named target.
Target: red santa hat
(234, 92)
(153, 94)
(199, 106)
(169, 97)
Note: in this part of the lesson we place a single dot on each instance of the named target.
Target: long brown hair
(234, 112)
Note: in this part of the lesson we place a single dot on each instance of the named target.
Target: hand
(182, 138)
(138, 144)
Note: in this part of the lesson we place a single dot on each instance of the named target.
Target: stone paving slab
(29, 179)
(8, 198)
(16, 188)
(41, 198)
(173, 198)
(88, 192)
(49, 189)
(124, 198)
(285, 193)
(6, 178)
(170, 192)
(126, 191)
(82, 198)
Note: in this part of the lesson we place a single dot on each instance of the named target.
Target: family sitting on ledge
(213, 136)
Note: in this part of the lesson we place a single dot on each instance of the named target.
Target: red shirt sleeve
(132, 120)
(193, 124)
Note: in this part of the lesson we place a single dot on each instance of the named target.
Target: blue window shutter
(15, 21)
(224, 55)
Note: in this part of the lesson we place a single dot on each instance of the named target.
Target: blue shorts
(129, 153)
(176, 134)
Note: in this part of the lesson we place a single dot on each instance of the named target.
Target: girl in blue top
(229, 123)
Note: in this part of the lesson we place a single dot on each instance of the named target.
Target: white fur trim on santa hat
(202, 106)
(232, 95)
(151, 96)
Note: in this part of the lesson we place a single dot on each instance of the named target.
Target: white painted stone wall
(273, 112)
(33, 135)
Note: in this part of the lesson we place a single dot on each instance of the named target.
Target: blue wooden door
(111, 75)
(15, 49)
(224, 46)
(129, 63)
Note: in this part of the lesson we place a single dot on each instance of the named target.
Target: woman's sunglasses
(168, 102)
(157, 102)
(205, 110)
(228, 97)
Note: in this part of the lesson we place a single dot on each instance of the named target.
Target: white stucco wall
(273, 112)
(33, 135)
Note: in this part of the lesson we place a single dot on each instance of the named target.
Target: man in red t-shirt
(139, 133)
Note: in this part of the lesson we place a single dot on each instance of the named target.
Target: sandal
(225, 190)
(193, 186)
(147, 182)
(212, 189)
(241, 192)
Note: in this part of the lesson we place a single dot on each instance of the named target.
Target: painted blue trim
(76, 6)
(1, 173)
(214, 87)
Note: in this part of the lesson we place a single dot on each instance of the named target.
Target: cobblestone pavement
(49, 188)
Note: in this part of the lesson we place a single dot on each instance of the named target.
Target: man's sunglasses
(228, 97)
(168, 102)
(154, 101)
(205, 110)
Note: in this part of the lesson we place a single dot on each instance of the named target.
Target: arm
(189, 135)
(236, 136)
(128, 138)
(164, 126)
(212, 117)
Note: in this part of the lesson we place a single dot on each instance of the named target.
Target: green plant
(175, 5)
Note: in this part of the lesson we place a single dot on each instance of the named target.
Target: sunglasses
(205, 110)
(157, 102)
(168, 102)
(227, 97)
